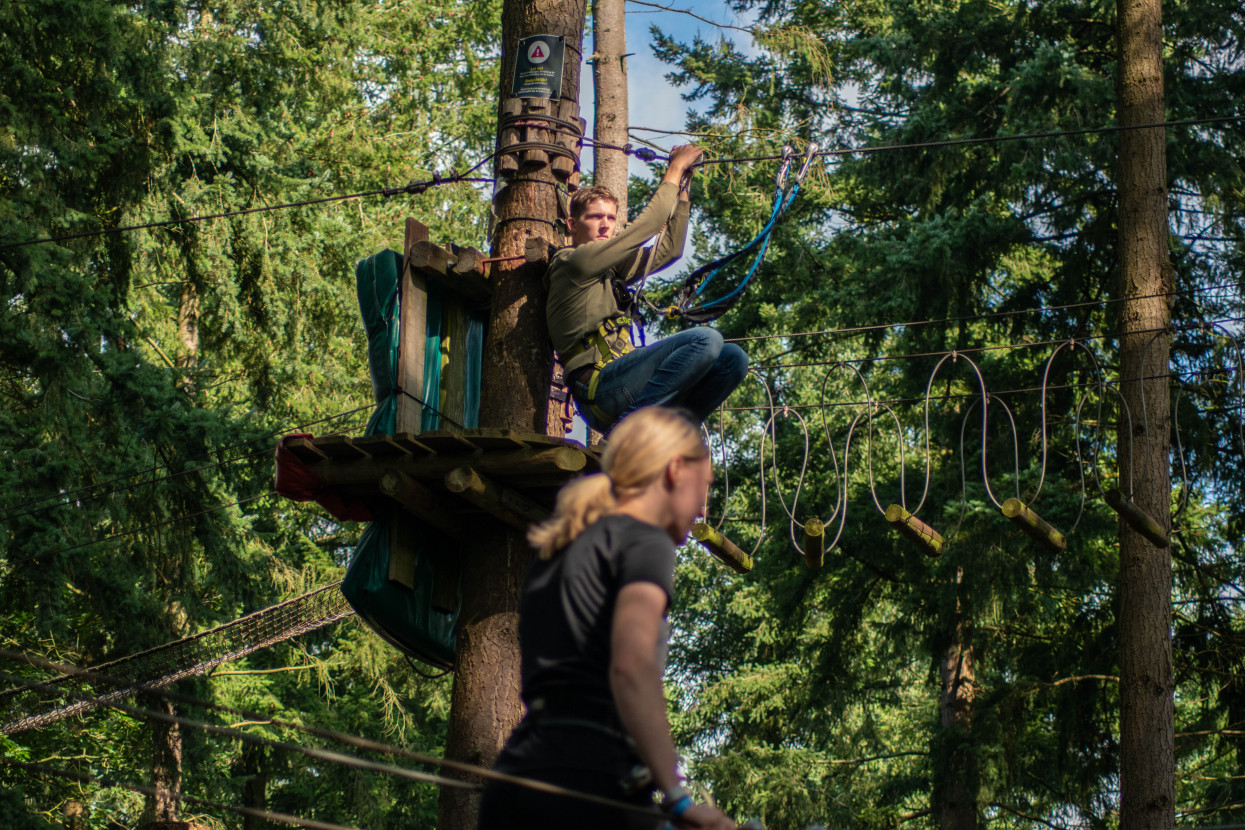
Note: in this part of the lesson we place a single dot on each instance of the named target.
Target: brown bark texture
(955, 797)
(1147, 759)
(515, 395)
(166, 765)
(609, 74)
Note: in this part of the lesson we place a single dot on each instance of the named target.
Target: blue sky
(654, 101)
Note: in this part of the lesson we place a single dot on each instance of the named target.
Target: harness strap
(607, 351)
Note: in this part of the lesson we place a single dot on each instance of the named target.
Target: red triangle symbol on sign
(538, 52)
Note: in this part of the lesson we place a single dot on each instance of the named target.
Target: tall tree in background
(822, 697)
(514, 395)
(1147, 740)
(609, 82)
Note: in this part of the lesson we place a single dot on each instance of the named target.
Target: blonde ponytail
(638, 450)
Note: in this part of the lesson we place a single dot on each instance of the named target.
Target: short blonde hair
(638, 450)
(587, 195)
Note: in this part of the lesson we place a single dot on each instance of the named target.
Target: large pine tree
(978, 687)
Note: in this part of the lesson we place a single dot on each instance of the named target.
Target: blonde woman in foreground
(593, 631)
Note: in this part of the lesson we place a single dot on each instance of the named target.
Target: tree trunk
(609, 74)
(166, 765)
(1147, 762)
(255, 786)
(515, 395)
(955, 787)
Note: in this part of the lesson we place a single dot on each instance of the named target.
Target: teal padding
(475, 368)
(402, 616)
(432, 358)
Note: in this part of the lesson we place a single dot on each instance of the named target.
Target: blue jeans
(693, 369)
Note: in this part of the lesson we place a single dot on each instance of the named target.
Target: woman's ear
(673, 468)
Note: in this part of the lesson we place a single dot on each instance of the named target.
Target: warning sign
(538, 67)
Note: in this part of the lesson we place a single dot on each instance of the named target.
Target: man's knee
(734, 361)
(708, 339)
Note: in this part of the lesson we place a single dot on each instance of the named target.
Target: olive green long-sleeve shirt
(580, 293)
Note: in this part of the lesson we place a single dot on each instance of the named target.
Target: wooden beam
(420, 502)
(551, 461)
(434, 262)
(503, 503)
(412, 314)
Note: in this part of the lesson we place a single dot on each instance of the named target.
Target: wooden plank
(514, 465)
(381, 446)
(304, 450)
(402, 537)
(495, 439)
(454, 363)
(411, 444)
(413, 312)
(446, 441)
(537, 439)
(340, 448)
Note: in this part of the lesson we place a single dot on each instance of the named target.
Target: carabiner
(788, 152)
(809, 155)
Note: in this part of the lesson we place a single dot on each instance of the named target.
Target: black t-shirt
(567, 608)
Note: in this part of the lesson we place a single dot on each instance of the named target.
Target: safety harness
(610, 340)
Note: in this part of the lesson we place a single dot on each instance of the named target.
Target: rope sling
(688, 303)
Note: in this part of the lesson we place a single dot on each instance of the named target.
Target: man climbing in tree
(589, 309)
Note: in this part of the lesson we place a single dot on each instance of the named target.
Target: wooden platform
(448, 479)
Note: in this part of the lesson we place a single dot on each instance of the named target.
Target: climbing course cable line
(81, 493)
(983, 349)
(413, 188)
(153, 792)
(1192, 373)
(354, 741)
(991, 316)
(642, 153)
(960, 142)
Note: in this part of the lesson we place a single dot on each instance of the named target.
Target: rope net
(39, 704)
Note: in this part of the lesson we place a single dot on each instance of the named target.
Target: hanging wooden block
(1137, 519)
(916, 531)
(534, 131)
(1034, 525)
(721, 547)
(814, 544)
(508, 163)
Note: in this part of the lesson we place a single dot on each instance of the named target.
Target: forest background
(144, 375)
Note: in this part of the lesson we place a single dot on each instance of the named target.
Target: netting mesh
(38, 704)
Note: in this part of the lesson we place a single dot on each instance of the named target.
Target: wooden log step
(421, 502)
(505, 504)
